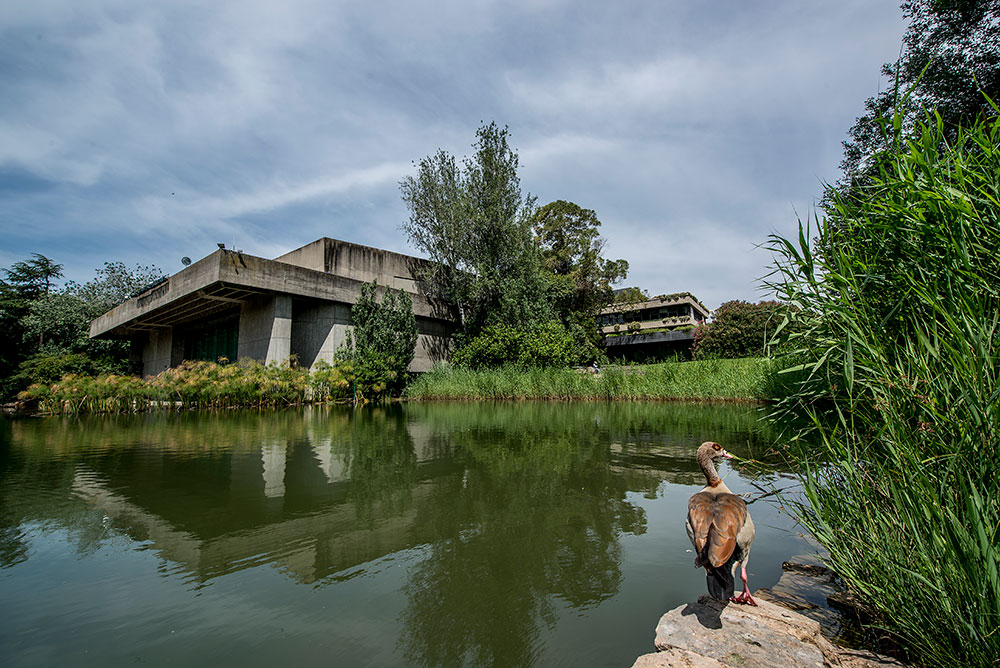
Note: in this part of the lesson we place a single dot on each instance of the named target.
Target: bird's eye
(716, 447)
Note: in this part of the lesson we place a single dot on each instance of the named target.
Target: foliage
(192, 384)
(950, 57)
(545, 345)
(900, 329)
(41, 321)
(738, 329)
(631, 295)
(382, 343)
(24, 282)
(743, 379)
(475, 226)
(579, 277)
(48, 368)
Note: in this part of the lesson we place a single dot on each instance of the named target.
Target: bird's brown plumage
(716, 520)
(720, 528)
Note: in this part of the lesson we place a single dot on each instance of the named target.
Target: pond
(464, 534)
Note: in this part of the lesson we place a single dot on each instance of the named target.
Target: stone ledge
(712, 634)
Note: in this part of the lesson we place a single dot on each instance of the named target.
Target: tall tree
(475, 223)
(950, 58)
(34, 277)
(580, 277)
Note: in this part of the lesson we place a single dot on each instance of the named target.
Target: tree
(474, 224)
(33, 278)
(61, 320)
(382, 342)
(950, 59)
(45, 329)
(739, 329)
(579, 277)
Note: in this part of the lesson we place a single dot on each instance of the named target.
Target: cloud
(144, 132)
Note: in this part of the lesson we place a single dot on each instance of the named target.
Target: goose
(720, 528)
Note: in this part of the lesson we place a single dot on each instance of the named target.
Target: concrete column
(279, 346)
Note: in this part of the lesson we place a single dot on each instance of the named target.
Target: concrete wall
(161, 351)
(318, 330)
(361, 263)
(266, 329)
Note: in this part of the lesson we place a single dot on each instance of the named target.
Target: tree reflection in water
(534, 519)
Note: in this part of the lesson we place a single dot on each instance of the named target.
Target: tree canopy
(474, 223)
(950, 58)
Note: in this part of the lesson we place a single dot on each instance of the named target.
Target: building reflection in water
(515, 510)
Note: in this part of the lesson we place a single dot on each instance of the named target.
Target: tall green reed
(899, 311)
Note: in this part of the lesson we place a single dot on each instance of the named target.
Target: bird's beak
(727, 455)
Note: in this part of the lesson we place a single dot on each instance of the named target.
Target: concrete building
(234, 305)
(651, 328)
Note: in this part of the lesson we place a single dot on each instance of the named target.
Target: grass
(751, 379)
(900, 313)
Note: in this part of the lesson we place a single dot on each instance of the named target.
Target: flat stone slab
(713, 634)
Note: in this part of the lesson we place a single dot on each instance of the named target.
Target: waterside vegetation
(748, 379)
(898, 314)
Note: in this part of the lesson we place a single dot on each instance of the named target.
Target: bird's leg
(745, 597)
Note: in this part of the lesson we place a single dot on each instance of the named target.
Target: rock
(710, 634)
(676, 658)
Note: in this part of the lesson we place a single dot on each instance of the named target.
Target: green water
(535, 534)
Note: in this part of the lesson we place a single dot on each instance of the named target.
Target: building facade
(653, 328)
(233, 305)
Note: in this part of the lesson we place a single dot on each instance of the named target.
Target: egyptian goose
(720, 528)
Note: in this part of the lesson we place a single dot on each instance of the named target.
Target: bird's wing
(699, 520)
(729, 514)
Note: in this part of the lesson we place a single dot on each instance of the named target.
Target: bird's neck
(712, 479)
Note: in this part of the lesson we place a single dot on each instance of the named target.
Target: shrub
(381, 345)
(546, 345)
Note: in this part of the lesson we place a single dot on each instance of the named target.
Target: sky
(143, 132)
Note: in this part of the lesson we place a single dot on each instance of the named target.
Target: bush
(381, 345)
(738, 329)
(47, 368)
(547, 345)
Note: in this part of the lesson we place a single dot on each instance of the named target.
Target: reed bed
(751, 379)
(901, 326)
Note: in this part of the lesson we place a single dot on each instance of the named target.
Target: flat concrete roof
(656, 302)
(222, 281)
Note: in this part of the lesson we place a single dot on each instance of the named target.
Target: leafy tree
(473, 222)
(950, 58)
(61, 320)
(33, 278)
(382, 342)
(738, 329)
(580, 278)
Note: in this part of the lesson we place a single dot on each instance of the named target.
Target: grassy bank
(751, 379)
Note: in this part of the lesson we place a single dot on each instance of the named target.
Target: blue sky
(144, 132)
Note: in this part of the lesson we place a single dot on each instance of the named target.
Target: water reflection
(515, 512)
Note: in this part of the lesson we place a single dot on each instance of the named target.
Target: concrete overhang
(224, 280)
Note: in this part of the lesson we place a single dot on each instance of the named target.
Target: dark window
(213, 341)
